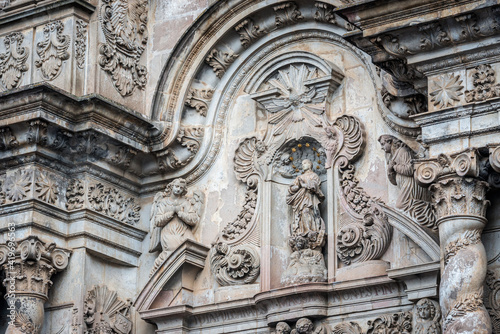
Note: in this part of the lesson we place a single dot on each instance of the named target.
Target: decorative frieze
(13, 61)
(219, 61)
(113, 203)
(47, 186)
(125, 43)
(391, 323)
(52, 50)
(483, 80)
(17, 184)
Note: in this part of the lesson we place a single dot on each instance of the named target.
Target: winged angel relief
(173, 216)
(124, 24)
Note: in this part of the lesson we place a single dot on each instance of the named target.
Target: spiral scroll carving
(234, 265)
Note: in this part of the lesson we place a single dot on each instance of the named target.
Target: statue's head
(426, 309)
(177, 187)
(386, 142)
(304, 326)
(283, 328)
(307, 165)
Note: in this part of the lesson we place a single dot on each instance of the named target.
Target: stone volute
(28, 266)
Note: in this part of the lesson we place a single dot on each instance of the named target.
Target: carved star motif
(445, 90)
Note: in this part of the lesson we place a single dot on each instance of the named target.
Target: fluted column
(459, 196)
(28, 266)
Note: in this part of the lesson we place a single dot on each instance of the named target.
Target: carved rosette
(124, 26)
(460, 200)
(28, 271)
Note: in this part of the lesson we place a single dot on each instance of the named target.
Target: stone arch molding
(238, 54)
(206, 70)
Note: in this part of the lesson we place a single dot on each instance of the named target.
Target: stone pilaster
(28, 266)
(459, 196)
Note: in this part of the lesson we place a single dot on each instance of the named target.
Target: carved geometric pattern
(445, 90)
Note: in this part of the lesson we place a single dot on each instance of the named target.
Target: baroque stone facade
(288, 167)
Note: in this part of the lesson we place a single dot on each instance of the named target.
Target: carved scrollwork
(113, 203)
(53, 50)
(81, 43)
(13, 61)
(493, 300)
(324, 13)
(234, 265)
(220, 61)
(249, 32)
(199, 99)
(75, 195)
(350, 141)
(347, 328)
(7, 139)
(391, 323)
(124, 26)
(287, 14)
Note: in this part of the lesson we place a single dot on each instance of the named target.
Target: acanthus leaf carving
(468, 238)
(199, 99)
(81, 43)
(287, 14)
(105, 312)
(220, 61)
(249, 32)
(13, 61)
(53, 50)
(125, 28)
(234, 265)
(113, 203)
(37, 132)
(123, 157)
(324, 13)
(433, 36)
(7, 139)
(464, 304)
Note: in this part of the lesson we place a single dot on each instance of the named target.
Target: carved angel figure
(305, 196)
(428, 316)
(412, 199)
(306, 326)
(282, 328)
(173, 216)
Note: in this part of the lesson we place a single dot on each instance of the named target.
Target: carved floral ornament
(52, 50)
(124, 25)
(13, 61)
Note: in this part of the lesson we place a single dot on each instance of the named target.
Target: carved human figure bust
(428, 317)
(282, 328)
(173, 216)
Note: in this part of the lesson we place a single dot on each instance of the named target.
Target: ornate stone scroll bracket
(81, 43)
(249, 32)
(287, 14)
(53, 50)
(199, 99)
(220, 61)
(234, 265)
(28, 277)
(120, 55)
(413, 198)
(13, 61)
(105, 312)
(187, 259)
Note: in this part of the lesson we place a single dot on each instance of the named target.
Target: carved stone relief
(249, 32)
(287, 14)
(81, 43)
(199, 99)
(307, 231)
(173, 216)
(219, 61)
(347, 328)
(324, 13)
(111, 202)
(125, 28)
(53, 50)
(413, 199)
(484, 84)
(234, 265)
(302, 326)
(427, 317)
(7, 139)
(105, 312)
(493, 300)
(28, 272)
(13, 61)
(445, 90)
